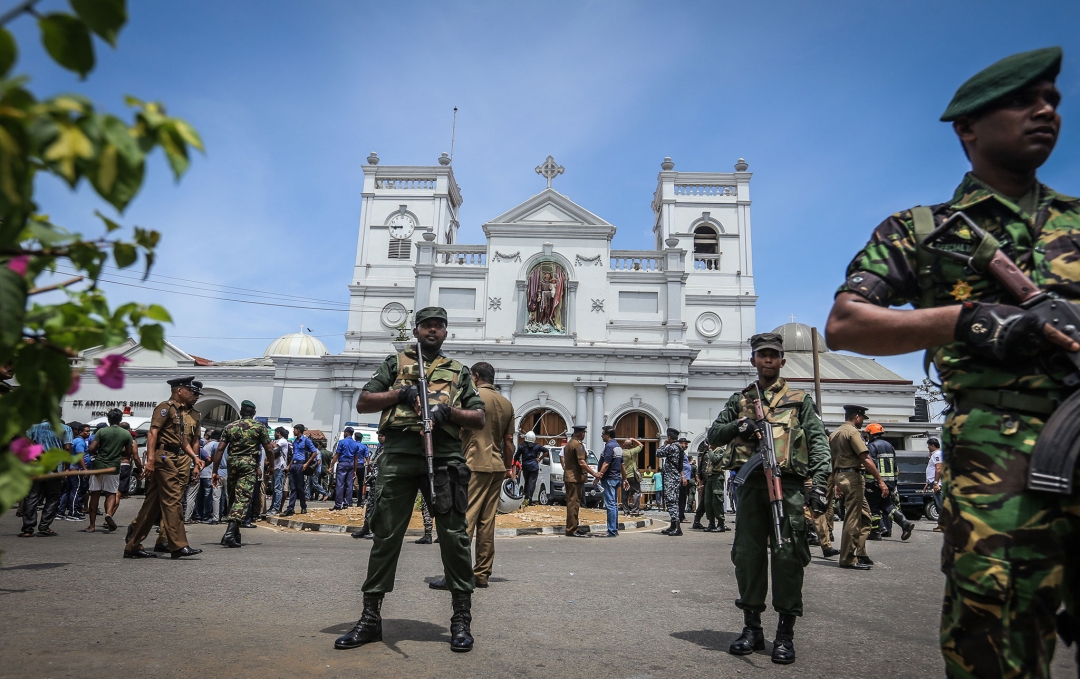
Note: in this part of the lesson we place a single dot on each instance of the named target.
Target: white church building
(578, 332)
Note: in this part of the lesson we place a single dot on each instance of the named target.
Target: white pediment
(549, 207)
(548, 214)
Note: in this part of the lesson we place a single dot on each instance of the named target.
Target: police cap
(767, 340)
(859, 410)
(430, 312)
(683, 439)
(580, 427)
(1001, 79)
(183, 382)
(196, 386)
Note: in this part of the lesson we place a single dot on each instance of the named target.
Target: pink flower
(18, 264)
(110, 373)
(25, 449)
(76, 380)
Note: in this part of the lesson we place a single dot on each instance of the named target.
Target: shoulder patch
(164, 412)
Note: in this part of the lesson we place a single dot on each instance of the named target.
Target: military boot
(697, 525)
(783, 649)
(232, 532)
(721, 527)
(461, 640)
(670, 530)
(874, 535)
(426, 539)
(368, 628)
(678, 529)
(711, 527)
(752, 637)
(907, 527)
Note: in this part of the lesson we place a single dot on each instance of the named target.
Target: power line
(224, 299)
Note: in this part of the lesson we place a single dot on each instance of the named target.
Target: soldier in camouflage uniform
(454, 403)
(802, 451)
(243, 439)
(713, 497)
(673, 453)
(1005, 554)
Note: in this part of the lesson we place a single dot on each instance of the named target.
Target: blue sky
(834, 106)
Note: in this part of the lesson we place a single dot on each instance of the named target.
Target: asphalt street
(640, 605)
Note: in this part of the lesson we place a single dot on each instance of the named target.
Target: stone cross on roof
(549, 170)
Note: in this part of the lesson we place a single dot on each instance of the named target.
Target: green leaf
(51, 459)
(12, 306)
(125, 254)
(67, 41)
(109, 224)
(158, 313)
(14, 480)
(152, 336)
(104, 17)
(8, 51)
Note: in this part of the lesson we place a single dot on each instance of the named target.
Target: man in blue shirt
(349, 458)
(361, 464)
(611, 479)
(305, 455)
(71, 499)
(47, 489)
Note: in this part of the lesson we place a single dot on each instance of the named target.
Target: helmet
(874, 428)
(530, 436)
(510, 497)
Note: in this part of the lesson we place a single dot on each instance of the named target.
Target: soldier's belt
(849, 469)
(169, 447)
(1003, 399)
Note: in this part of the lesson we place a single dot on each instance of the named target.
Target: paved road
(641, 605)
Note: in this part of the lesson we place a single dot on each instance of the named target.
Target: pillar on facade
(345, 407)
(506, 388)
(674, 392)
(581, 411)
(598, 417)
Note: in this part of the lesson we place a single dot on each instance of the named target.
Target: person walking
(529, 454)
(610, 477)
(802, 451)
(884, 457)
(70, 498)
(45, 490)
(344, 463)
(107, 448)
(851, 457)
(282, 455)
(933, 476)
(576, 469)
(171, 442)
(242, 441)
(489, 452)
(304, 457)
(672, 452)
(631, 476)
(453, 404)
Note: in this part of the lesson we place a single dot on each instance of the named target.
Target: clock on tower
(401, 226)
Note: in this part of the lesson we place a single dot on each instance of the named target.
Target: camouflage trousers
(672, 484)
(243, 475)
(1005, 550)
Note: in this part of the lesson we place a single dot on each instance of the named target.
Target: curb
(499, 532)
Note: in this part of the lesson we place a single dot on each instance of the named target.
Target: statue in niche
(546, 294)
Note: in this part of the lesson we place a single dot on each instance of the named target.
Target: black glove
(439, 414)
(816, 499)
(746, 428)
(999, 331)
(408, 395)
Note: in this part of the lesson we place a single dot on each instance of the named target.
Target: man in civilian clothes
(304, 455)
(610, 478)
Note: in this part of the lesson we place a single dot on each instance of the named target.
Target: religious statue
(546, 293)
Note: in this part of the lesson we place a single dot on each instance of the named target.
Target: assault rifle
(767, 450)
(425, 416)
(1058, 446)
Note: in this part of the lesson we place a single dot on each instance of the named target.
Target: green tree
(67, 136)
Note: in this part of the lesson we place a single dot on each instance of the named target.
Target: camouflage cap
(429, 312)
(247, 404)
(767, 340)
(1002, 79)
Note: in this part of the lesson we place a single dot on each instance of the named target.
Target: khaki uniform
(484, 455)
(574, 476)
(172, 472)
(847, 447)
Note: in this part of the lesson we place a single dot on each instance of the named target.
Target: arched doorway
(216, 413)
(546, 423)
(640, 425)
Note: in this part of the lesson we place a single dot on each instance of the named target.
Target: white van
(549, 481)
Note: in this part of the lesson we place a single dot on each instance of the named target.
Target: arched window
(706, 248)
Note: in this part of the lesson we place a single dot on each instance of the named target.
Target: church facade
(578, 331)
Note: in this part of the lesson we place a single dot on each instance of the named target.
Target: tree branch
(25, 6)
(47, 288)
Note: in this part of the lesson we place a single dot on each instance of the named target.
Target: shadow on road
(400, 629)
(36, 566)
(708, 639)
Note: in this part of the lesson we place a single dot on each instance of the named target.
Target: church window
(637, 302)
(400, 248)
(706, 248)
(457, 298)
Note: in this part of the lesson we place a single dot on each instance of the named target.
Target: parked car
(549, 481)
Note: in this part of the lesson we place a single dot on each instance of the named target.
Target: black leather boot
(671, 529)
(426, 539)
(711, 527)
(874, 535)
(461, 640)
(678, 529)
(783, 649)
(907, 528)
(363, 532)
(368, 628)
(752, 637)
(232, 533)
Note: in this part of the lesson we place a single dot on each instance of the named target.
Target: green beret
(429, 312)
(1001, 79)
(247, 404)
(767, 340)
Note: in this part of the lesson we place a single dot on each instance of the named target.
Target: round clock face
(401, 226)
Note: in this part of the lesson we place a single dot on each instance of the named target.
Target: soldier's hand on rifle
(748, 429)
(410, 396)
(439, 414)
(999, 331)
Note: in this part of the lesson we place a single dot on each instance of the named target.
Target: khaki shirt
(483, 448)
(574, 460)
(173, 420)
(847, 446)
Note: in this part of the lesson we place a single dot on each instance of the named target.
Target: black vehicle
(916, 499)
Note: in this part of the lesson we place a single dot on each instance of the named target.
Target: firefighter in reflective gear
(883, 510)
